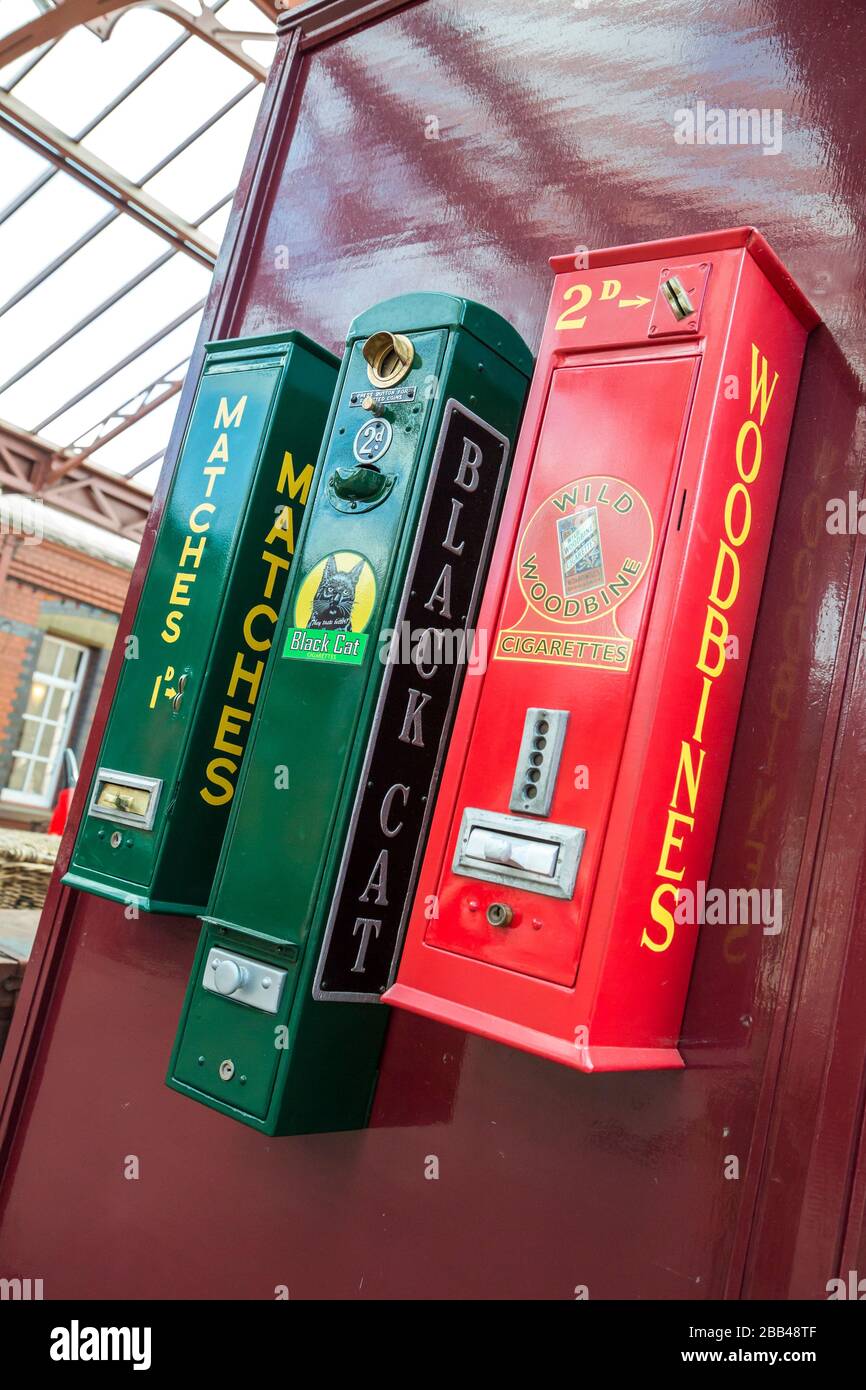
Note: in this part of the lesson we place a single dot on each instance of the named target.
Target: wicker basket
(11, 975)
(26, 864)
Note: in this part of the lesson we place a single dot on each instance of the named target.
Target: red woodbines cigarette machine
(586, 772)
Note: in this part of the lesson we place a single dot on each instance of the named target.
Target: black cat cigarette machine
(331, 811)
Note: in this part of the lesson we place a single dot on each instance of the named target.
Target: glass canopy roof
(121, 143)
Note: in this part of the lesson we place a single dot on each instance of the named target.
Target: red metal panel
(554, 133)
(623, 416)
(652, 715)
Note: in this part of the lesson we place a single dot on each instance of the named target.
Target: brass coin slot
(677, 297)
(389, 357)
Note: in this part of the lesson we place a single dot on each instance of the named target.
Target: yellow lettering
(686, 765)
(220, 450)
(663, 916)
(171, 631)
(672, 841)
(760, 384)
(698, 733)
(253, 678)
(230, 724)
(718, 640)
(283, 529)
(749, 427)
(294, 485)
(572, 317)
(193, 517)
(224, 419)
(274, 563)
(738, 490)
(724, 589)
(211, 474)
(179, 593)
(256, 644)
(194, 550)
(213, 773)
(725, 553)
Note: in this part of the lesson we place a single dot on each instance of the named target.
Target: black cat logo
(334, 599)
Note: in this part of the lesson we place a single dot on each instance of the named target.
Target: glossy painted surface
(694, 418)
(640, 447)
(197, 652)
(558, 131)
(286, 837)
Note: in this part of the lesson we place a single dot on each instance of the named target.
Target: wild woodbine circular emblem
(585, 550)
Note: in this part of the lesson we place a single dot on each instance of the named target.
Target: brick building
(66, 556)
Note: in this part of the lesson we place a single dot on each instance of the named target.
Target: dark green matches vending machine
(351, 724)
(169, 763)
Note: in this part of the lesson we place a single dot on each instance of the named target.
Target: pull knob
(528, 855)
(230, 977)
(498, 849)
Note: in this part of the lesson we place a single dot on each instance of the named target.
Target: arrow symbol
(633, 303)
(170, 693)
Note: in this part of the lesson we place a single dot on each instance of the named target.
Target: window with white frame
(51, 702)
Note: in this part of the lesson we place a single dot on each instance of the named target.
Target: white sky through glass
(71, 84)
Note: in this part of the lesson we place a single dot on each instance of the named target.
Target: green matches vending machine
(170, 759)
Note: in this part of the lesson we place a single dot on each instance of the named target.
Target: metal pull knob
(537, 857)
(230, 977)
(498, 849)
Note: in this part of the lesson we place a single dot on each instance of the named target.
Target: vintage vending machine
(349, 731)
(168, 765)
(558, 904)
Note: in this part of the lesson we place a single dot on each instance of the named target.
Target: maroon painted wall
(454, 146)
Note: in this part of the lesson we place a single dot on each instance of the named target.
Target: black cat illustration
(335, 597)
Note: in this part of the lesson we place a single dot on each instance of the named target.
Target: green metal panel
(289, 823)
(196, 657)
(218, 1029)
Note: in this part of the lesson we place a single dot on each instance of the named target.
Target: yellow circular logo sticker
(338, 594)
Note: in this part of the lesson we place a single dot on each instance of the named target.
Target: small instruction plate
(383, 395)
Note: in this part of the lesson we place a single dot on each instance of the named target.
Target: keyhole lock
(499, 915)
(227, 1069)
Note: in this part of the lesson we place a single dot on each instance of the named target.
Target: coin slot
(677, 298)
(389, 357)
(538, 760)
